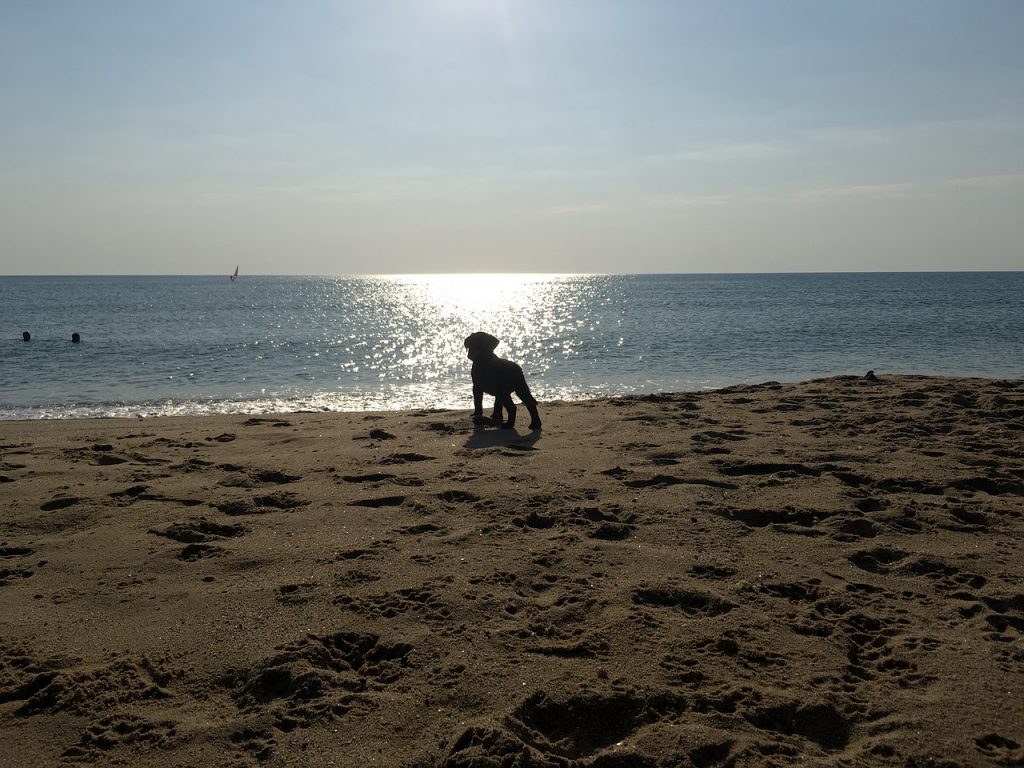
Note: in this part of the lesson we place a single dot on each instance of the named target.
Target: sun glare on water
(532, 314)
(475, 298)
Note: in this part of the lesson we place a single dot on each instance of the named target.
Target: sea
(154, 346)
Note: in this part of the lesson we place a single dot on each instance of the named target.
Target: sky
(566, 136)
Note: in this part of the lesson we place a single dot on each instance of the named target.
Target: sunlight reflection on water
(532, 314)
(411, 328)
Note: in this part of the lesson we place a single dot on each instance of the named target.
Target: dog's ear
(481, 340)
(488, 342)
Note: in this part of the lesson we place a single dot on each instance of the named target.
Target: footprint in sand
(405, 458)
(8, 575)
(258, 743)
(878, 560)
(611, 531)
(423, 601)
(744, 468)
(457, 496)
(852, 530)
(383, 477)
(17, 572)
(109, 460)
(711, 571)
(820, 722)
(875, 649)
(666, 481)
(261, 505)
(199, 530)
(376, 434)
(60, 502)
(355, 577)
(121, 730)
(535, 520)
(355, 554)
(257, 478)
(295, 594)
(1001, 749)
(372, 477)
(421, 529)
(6, 551)
(946, 577)
(200, 552)
(1007, 617)
(795, 591)
(380, 501)
(690, 602)
(441, 427)
(194, 465)
(143, 493)
(581, 727)
(257, 421)
(87, 689)
(320, 677)
(682, 670)
(870, 504)
(787, 516)
(131, 493)
(715, 437)
(968, 520)
(666, 459)
(372, 550)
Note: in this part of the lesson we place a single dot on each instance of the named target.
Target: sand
(827, 573)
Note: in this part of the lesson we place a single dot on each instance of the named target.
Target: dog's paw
(535, 426)
(485, 420)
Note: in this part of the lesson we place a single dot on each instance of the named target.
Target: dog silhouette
(495, 376)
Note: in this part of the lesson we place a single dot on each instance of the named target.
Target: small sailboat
(235, 275)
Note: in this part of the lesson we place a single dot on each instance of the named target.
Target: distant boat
(235, 276)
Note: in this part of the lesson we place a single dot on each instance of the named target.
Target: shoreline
(468, 405)
(827, 571)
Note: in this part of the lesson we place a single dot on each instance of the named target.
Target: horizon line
(380, 275)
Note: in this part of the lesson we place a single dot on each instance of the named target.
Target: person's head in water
(26, 336)
(75, 338)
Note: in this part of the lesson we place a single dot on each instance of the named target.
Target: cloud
(905, 190)
(995, 180)
(737, 151)
(891, 191)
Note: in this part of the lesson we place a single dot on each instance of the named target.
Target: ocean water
(198, 345)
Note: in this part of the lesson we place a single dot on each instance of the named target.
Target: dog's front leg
(478, 404)
(510, 408)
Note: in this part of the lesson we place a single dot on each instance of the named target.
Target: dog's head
(480, 345)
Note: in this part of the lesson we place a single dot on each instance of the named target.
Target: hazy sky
(373, 136)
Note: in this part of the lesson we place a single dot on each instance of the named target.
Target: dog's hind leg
(524, 394)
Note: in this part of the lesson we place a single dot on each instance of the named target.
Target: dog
(494, 376)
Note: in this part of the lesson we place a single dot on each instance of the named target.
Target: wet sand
(827, 573)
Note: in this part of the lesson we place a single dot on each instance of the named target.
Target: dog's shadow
(502, 438)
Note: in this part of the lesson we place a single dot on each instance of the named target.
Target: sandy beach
(826, 573)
